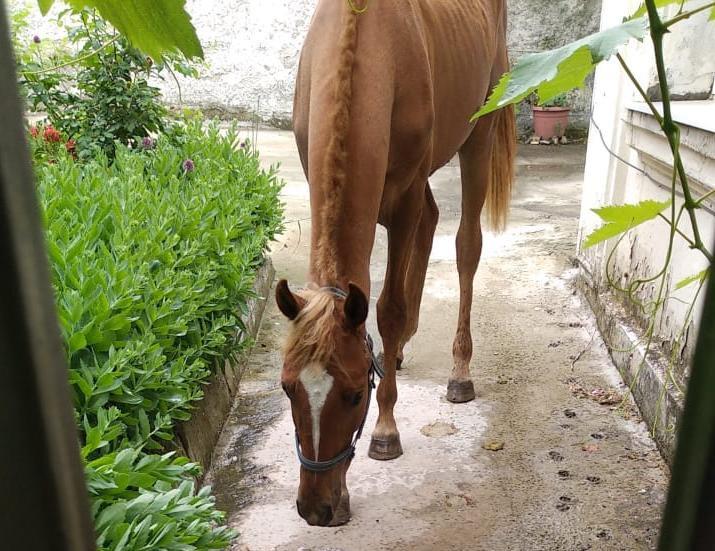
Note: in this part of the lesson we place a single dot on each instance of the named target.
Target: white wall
(252, 49)
(631, 132)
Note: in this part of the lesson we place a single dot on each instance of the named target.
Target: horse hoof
(342, 513)
(384, 449)
(460, 391)
(381, 362)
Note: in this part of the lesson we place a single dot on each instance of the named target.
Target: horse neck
(340, 253)
(345, 198)
(349, 129)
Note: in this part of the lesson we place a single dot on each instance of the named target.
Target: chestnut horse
(383, 99)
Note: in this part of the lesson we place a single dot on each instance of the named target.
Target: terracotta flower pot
(550, 121)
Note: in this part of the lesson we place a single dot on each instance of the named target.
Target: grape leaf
(621, 218)
(557, 71)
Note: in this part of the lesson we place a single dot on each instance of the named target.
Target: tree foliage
(156, 27)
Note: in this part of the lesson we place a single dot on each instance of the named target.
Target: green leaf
(154, 26)
(558, 71)
(77, 342)
(143, 423)
(712, 15)
(572, 73)
(115, 323)
(702, 276)
(114, 514)
(658, 4)
(45, 5)
(621, 218)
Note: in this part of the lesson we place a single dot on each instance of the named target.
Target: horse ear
(288, 303)
(356, 306)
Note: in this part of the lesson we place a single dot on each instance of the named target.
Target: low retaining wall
(659, 402)
(197, 437)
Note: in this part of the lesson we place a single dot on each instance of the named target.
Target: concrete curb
(659, 402)
(197, 437)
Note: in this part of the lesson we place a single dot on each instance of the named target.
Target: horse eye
(357, 398)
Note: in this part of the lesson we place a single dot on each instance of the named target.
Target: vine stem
(658, 30)
(680, 233)
(75, 60)
(705, 197)
(685, 15)
(640, 89)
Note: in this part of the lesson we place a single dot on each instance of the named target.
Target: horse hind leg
(474, 159)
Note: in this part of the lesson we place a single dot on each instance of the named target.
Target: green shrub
(153, 256)
(98, 94)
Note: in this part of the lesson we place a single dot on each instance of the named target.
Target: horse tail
(501, 178)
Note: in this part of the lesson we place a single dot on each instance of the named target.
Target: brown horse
(383, 99)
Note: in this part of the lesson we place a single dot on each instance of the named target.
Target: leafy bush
(98, 95)
(152, 257)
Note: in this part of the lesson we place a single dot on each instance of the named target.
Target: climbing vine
(555, 72)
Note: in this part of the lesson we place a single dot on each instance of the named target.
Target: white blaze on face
(317, 383)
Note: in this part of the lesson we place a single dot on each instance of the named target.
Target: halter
(349, 452)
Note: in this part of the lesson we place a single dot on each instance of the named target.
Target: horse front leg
(392, 314)
(417, 270)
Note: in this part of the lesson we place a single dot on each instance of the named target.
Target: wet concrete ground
(576, 471)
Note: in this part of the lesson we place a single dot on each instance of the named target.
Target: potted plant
(551, 118)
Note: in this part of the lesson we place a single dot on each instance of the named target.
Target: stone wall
(252, 49)
(538, 25)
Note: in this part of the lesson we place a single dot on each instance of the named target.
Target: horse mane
(335, 168)
(311, 337)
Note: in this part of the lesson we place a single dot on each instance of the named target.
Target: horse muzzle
(320, 514)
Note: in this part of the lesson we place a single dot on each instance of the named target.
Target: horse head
(328, 375)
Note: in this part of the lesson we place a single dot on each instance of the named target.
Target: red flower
(34, 132)
(70, 145)
(52, 135)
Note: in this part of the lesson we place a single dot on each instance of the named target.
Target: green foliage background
(152, 260)
(156, 27)
(94, 84)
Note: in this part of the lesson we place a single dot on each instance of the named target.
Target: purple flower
(148, 143)
(36, 39)
(188, 165)
(243, 145)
